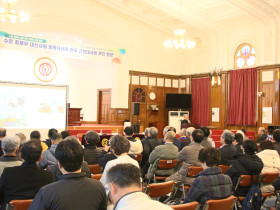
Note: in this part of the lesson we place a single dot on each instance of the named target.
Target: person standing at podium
(185, 121)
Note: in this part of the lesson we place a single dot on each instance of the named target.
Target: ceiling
(197, 16)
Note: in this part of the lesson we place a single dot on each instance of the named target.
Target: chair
(220, 204)
(164, 164)
(139, 158)
(20, 204)
(159, 189)
(268, 178)
(95, 168)
(96, 176)
(224, 168)
(187, 206)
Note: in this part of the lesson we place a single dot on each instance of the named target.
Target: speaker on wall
(135, 108)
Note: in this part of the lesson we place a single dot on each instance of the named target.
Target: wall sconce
(215, 76)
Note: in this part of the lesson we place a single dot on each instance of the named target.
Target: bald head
(170, 136)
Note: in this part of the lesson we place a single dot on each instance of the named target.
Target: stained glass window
(139, 95)
(245, 56)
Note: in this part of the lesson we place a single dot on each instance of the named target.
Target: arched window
(139, 95)
(245, 56)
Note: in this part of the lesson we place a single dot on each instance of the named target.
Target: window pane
(245, 50)
(240, 62)
(251, 60)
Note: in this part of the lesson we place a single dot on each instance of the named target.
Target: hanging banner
(73, 50)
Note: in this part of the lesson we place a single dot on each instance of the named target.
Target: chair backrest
(20, 204)
(96, 176)
(187, 206)
(167, 164)
(224, 168)
(268, 177)
(194, 170)
(139, 157)
(245, 181)
(221, 204)
(95, 169)
(159, 189)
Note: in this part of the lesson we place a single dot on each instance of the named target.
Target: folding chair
(164, 164)
(20, 204)
(96, 176)
(224, 168)
(220, 204)
(267, 178)
(159, 189)
(187, 206)
(193, 172)
(95, 168)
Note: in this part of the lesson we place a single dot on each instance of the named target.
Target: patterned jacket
(210, 184)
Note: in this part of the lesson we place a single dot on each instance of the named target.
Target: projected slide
(32, 106)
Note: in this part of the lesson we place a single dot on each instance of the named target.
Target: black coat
(244, 165)
(149, 145)
(228, 154)
(91, 154)
(22, 182)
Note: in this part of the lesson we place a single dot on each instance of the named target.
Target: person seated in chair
(205, 142)
(185, 121)
(227, 150)
(210, 183)
(245, 164)
(23, 182)
(91, 152)
(237, 143)
(168, 151)
(135, 145)
(126, 193)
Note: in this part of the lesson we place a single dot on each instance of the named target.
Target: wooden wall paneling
(216, 102)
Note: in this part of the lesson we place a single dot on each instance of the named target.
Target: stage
(99, 128)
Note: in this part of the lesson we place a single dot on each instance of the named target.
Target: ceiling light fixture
(8, 12)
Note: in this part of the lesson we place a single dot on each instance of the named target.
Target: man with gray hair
(227, 150)
(3, 133)
(262, 134)
(10, 146)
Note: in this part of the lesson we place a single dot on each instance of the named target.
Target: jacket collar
(211, 171)
(72, 175)
(9, 158)
(90, 146)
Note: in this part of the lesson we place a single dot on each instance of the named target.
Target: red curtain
(242, 97)
(200, 101)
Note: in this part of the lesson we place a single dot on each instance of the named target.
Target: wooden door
(104, 105)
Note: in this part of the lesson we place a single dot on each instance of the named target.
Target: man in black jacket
(23, 182)
(245, 164)
(91, 152)
(227, 150)
(73, 190)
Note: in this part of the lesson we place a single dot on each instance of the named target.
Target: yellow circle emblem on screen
(45, 69)
(104, 142)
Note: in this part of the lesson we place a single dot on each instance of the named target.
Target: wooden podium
(74, 116)
(186, 125)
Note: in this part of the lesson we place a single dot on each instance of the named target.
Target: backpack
(253, 199)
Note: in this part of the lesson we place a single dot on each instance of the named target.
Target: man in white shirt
(136, 146)
(125, 185)
(120, 147)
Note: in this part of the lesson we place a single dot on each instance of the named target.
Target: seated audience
(37, 135)
(189, 156)
(168, 151)
(276, 140)
(227, 150)
(262, 135)
(185, 141)
(126, 190)
(271, 162)
(23, 139)
(48, 141)
(48, 159)
(23, 182)
(10, 147)
(176, 142)
(146, 132)
(210, 183)
(237, 143)
(243, 133)
(3, 133)
(91, 152)
(73, 190)
(149, 145)
(205, 142)
(245, 164)
(135, 145)
(119, 147)
(271, 201)
(65, 134)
